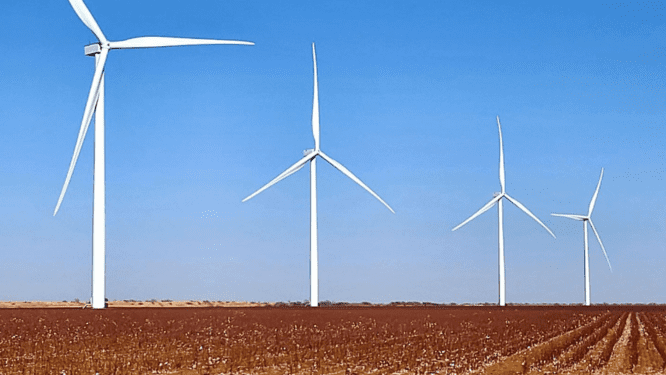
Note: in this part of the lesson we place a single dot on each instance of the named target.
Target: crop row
(618, 342)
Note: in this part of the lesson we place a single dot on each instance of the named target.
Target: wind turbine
(95, 103)
(497, 199)
(585, 220)
(311, 156)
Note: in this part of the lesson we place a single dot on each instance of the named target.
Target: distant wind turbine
(585, 220)
(95, 103)
(311, 156)
(498, 200)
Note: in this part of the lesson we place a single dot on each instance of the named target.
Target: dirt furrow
(544, 352)
(620, 360)
(650, 360)
(634, 337)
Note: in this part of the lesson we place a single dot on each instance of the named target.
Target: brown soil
(337, 339)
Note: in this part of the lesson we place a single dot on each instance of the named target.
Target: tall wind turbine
(311, 156)
(497, 199)
(585, 220)
(95, 103)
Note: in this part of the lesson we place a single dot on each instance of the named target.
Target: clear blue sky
(409, 92)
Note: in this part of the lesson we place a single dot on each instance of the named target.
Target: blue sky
(409, 92)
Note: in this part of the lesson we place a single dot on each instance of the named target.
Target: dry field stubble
(334, 340)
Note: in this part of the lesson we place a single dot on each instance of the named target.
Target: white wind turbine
(585, 220)
(311, 156)
(498, 200)
(95, 103)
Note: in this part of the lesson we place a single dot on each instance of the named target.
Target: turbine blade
(87, 18)
(596, 192)
(501, 166)
(288, 172)
(315, 102)
(525, 210)
(159, 41)
(602, 245)
(93, 95)
(570, 216)
(483, 209)
(346, 172)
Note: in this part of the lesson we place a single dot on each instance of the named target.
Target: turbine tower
(497, 199)
(311, 156)
(95, 104)
(585, 220)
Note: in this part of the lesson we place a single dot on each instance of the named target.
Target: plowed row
(334, 340)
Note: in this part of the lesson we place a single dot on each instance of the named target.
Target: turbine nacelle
(92, 49)
(308, 152)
